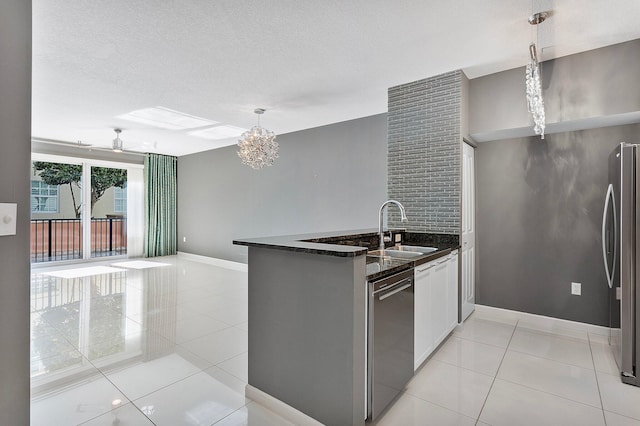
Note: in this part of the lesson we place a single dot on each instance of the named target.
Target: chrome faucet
(403, 219)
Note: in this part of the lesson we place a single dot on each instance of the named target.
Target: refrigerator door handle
(610, 198)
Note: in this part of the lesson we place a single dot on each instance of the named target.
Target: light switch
(8, 215)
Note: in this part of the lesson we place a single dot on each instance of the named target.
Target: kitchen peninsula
(308, 319)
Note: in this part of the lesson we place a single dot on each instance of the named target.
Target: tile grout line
(131, 400)
(229, 359)
(153, 391)
(233, 412)
(406, 393)
(119, 390)
(422, 366)
(475, 341)
(102, 372)
(550, 393)
(515, 327)
(542, 391)
(553, 360)
(595, 372)
(462, 367)
(204, 335)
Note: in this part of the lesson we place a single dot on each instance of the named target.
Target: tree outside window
(102, 178)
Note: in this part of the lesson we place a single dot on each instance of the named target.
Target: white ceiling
(309, 63)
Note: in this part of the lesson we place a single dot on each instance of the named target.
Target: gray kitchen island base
(307, 332)
(280, 408)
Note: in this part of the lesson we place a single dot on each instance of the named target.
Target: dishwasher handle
(395, 289)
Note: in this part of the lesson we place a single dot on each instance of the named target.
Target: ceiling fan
(117, 144)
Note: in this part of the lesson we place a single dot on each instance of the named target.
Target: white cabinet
(452, 289)
(435, 304)
(438, 307)
(423, 341)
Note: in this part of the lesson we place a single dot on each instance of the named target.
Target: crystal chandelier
(535, 103)
(258, 146)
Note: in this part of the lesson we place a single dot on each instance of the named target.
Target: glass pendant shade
(535, 103)
(533, 85)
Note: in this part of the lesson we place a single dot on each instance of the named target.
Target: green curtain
(160, 199)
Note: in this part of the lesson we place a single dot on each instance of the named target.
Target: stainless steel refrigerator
(621, 253)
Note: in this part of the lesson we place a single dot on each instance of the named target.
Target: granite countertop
(358, 243)
(378, 267)
(311, 243)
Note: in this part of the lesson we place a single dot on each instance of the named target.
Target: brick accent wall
(424, 143)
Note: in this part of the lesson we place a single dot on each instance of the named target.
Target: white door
(468, 240)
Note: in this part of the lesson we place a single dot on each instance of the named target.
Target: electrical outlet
(184, 239)
(576, 289)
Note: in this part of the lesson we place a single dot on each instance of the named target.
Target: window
(44, 198)
(120, 199)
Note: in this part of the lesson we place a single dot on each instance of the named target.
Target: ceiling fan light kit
(117, 142)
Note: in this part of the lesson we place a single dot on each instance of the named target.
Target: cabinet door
(452, 290)
(423, 339)
(439, 302)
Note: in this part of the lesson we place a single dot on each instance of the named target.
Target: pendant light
(535, 102)
(258, 146)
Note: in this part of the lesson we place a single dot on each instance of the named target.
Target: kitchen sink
(414, 249)
(398, 254)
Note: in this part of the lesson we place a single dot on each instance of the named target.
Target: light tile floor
(144, 344)
(167, 345)
(498, 371)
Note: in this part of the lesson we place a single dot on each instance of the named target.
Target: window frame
(120, 194)
(47, 196)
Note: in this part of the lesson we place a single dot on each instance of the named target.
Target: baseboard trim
(237, 266)
(542, 322)
(280, 408)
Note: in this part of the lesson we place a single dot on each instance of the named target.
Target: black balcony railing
(108, 236)
(61, 239)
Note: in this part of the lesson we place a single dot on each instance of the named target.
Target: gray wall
(15, 137)
(580, 91)
(425, 125)
(327, 178)
(539, 217)
(539, 202)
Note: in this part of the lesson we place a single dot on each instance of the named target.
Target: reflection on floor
(166, 344)
(150, 342)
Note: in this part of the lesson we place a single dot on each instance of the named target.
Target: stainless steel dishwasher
(390, 340)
